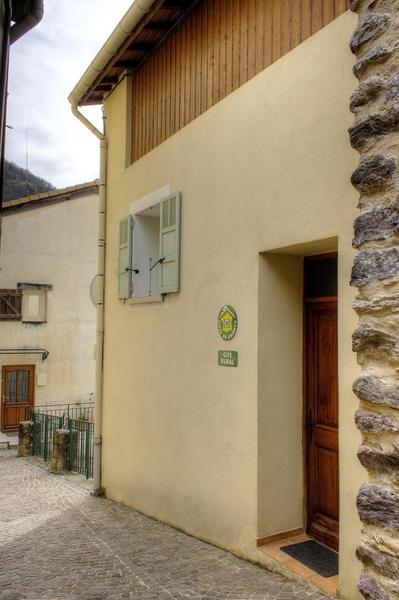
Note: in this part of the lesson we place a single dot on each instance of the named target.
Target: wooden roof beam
(141, 46)
(126, 64)
(158, 26)
(178, 4)
(110, 80)
(104, 87)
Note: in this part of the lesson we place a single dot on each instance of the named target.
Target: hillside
(19, 183)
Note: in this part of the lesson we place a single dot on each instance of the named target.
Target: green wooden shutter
(169, 243)
(125, 257)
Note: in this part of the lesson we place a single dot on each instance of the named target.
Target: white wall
(54, 244)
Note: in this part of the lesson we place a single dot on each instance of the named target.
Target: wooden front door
(321, 406)
(16, 395)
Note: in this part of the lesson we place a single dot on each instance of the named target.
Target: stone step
(8, 440)
(4, 441)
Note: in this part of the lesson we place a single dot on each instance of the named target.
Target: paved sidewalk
(59, 543)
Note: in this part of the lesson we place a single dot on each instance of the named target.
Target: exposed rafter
(148, 35)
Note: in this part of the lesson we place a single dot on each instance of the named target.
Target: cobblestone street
(59, 543)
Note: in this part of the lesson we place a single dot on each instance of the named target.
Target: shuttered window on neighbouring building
(10, 305)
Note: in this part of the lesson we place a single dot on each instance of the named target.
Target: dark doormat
(320, 559)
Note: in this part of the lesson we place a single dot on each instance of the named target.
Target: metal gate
(81, 433)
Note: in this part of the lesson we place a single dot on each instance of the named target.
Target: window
(34, 301)
(149, 250)
(27, 303)
(10, 305)
(34, 306)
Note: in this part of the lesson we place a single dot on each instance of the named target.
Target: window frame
(136, 211)
(42, 316)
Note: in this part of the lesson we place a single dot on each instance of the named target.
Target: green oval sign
(227, 322)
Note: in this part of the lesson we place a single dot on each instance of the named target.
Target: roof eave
(132, 17)
(50, 196)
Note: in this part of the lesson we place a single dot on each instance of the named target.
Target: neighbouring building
(227, 402)
(48, 260)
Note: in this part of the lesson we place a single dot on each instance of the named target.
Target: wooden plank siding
(216, 49)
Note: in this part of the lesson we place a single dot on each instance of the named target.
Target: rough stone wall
(375, 134)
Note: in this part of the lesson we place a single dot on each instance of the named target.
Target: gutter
(27, 21)
(5, 50)
(133, 16)
(136, 12)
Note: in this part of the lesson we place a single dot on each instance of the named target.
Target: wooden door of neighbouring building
(17, 391)
(321, 418)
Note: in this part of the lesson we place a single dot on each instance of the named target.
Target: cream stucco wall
(280, 457)
(267, 170)
(54, 244)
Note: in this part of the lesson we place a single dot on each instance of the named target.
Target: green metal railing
(78, 410)
(81, 434)
(43, 430)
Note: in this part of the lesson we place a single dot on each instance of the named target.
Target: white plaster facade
(51, 239)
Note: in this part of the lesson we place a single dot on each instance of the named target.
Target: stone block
(366, 92)
(372, 265)
(370, 340)
(378, 505)
(374, 458)
(374, 125)
(60, 460)
(377, 224)
(25, 438)
(383, 563)
(371, 389)
(372, 57)
(370, 589)
(373, 174)
(369, 28)
(371, 422)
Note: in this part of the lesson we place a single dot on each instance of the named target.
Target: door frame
(4, 368)
(305, 360)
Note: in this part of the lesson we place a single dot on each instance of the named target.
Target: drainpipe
(136, 12)
(27, 21)
(98, 386)
(3, 92)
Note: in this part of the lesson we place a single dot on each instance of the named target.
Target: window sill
(145, 300)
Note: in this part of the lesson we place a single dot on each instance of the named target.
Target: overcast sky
(45, 65)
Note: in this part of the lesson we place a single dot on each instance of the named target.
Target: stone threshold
(272, 548)
(8, 440)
